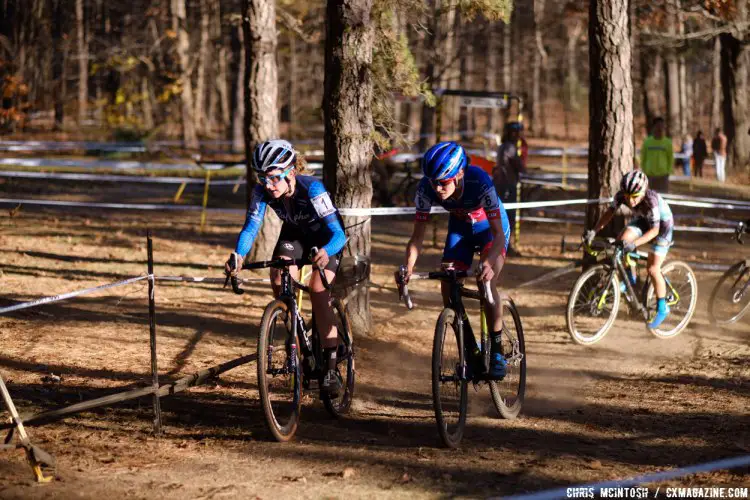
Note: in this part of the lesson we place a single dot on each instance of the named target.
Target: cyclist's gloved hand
(628, 246)
(402, 275)
(233, 264)
(321, 258)
(486, 273)
(588, 236)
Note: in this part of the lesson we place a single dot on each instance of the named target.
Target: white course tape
(124, 206)
(729, 463)
(668, 196)
(69, 295)
(216, 281)
(114, 165)
(117, 178)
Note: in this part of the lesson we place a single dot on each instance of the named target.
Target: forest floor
(630, 405)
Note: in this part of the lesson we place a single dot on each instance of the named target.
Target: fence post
(152, 332)
(205, 199)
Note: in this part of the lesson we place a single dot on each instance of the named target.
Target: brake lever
(323, 279)
(403, 289)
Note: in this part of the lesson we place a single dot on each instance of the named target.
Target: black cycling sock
(496, 339)
(330, 355)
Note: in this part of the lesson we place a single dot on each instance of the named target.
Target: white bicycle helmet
(634, 182)
(273, 154)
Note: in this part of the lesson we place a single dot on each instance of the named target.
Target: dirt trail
(632, 404)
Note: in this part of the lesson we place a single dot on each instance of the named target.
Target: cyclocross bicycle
(290, 356)
(595, 298)
(730, 298)
(456, 362)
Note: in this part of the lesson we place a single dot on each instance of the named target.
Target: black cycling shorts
(292, 243)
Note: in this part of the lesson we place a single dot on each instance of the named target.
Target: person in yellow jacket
(657, 157)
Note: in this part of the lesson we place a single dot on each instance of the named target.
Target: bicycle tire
(342, 404)
(692, 302)
(735, 276)
(516, 361)
(281, 428)
(450, 433)
(574, 300)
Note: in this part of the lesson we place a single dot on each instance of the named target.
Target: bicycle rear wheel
(449, 392)
(682, 298)
(592, 305)
(508, 393)
(344, 364)
(730, 298)
(279, 372)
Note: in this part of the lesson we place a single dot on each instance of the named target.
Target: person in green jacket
(657, 157)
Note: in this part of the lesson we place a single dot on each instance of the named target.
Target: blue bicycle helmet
(444, 160)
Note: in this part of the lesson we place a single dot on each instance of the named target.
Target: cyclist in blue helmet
(477, 222)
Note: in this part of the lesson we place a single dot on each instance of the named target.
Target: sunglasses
(272, 180)
(634, 195)
(442, 182)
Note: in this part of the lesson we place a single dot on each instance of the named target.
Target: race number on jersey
(323, 205)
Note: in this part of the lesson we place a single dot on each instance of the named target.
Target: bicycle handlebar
(403, 288)
(742, 228)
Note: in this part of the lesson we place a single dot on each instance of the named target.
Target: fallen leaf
(595, 464)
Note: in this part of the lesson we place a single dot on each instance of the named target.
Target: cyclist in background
(652, 221)
(309, 219)
(477, 222)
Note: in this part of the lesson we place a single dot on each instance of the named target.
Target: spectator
(719, 148)
(657, 157)
(508, 171)
(700, 153)
(687, 151)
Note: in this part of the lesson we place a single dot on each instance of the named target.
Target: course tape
(728, 463)
(117, 178)
(352, 212)
(57, 298)
(213, 281)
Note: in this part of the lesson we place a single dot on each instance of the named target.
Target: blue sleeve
(423, 199)
(253, 221)
(324, 208)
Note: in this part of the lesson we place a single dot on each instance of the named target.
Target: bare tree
(734, 82)
(611, 148)
(83, 62)
(179, 26)
(716, 85)
(261, 96)
(540, 64)
(672, 70)
(203, 58)
(347, 108)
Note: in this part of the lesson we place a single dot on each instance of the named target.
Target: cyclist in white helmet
(309, 219)
(652, 222)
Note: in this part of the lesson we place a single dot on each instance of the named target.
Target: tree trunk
(83, 63)
(261, 96)
(540, 62)
(147, 106)
(347, 108)
(684, 111)
(431, 44)
(238, 104)
(490, 73)
(179, 25)
(571, 103)
(734, 82)
(611, 148)
(672, 70)
(200, 85)
(58, 62)
(716, 87)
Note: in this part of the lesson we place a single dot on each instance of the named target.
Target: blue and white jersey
(309, 210)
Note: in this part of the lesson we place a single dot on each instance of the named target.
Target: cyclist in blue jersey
(652, 221)
(309, 219)
(478, 222)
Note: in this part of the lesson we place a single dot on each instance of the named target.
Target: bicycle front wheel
(730, 298)
(449, 392)
(344, 364)
(592, 305)
(508, 393)
(279, 372)
(682, 297)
